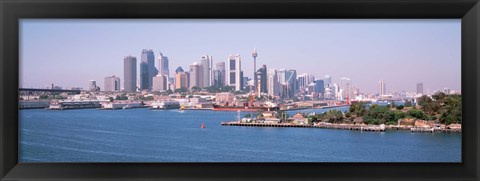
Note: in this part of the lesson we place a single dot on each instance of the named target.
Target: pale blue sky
(69, 53)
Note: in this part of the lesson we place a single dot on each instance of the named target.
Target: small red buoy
(203, 125)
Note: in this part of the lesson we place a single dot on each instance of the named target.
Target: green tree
(196, 89)
(358, 108)
(399, 107)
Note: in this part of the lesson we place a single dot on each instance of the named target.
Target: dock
(325, 126)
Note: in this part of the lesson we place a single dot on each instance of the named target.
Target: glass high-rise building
(130, 74)
(144, 77)
(261, 78)
(163, 65)
(219, 74)
(149, 57)
(272, 83)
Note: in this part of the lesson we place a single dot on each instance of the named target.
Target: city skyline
(365, 63)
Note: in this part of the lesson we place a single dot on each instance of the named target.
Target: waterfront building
(272, 83)
(112, 83)
(144, 78)
(149, 58)
(205, 71)
(163, 65)
(92, 85)
(335, 90)
(382, 87)
(420, 88)
(160, 83)
(219, 74)
(234, 77)
(130, 74)
(195, 75)
(261, 79)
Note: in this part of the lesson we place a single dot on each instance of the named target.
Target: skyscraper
(194, 75)
(144, 77)
(163, 65)
(112, 83)
(420, 88)
(291, 82)
(320, 87)
(382, 88)
(92, 85)
(219, 74)
(159, 83)
(205, 71)
(234, 77)
(130, 74)
(327, 79)
(261, 78)
(149, 57)
(181, 80)
(272, 83)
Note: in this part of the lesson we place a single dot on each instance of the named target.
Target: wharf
(326, 126)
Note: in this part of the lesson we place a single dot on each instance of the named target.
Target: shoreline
(354, 127)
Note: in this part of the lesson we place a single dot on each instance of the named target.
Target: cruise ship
(165, 105)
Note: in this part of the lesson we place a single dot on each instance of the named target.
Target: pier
(326, 126)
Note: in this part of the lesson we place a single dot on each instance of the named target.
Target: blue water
(142, 135)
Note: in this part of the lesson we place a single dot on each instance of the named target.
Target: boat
(165, 105)
(127, 107)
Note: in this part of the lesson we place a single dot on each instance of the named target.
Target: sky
(70, 53)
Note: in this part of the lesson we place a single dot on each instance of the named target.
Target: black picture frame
(466, 10)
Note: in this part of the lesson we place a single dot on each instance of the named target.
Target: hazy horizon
(70, 53)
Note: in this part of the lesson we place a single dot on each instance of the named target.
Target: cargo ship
(165, 105)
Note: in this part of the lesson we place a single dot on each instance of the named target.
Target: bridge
(38, 92)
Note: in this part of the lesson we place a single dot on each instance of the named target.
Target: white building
(160, 83)
(234, 77)
(272, 83)
(112, 83)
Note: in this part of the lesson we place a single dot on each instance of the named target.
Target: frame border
(11, 11)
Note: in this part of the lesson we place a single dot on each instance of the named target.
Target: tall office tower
(302, 81)
(179, 69)
(130, 74)
(291, 82)
(335, 90)
(92, 85)
(261, 77)
(181, 80)
(112, 83)
(159, 83)
(163, 65)
(327, 79)
(234, 77)
(320, 87)
(254, 55)
(149, 57)
(219, 77)
(420, 88)
(205, 72)
(281, 76)
(382, 88)
(243, 81)
(144, 77)
(346, 87)
(195, 75)
(272, 83)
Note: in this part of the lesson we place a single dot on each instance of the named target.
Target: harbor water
(143, 135)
